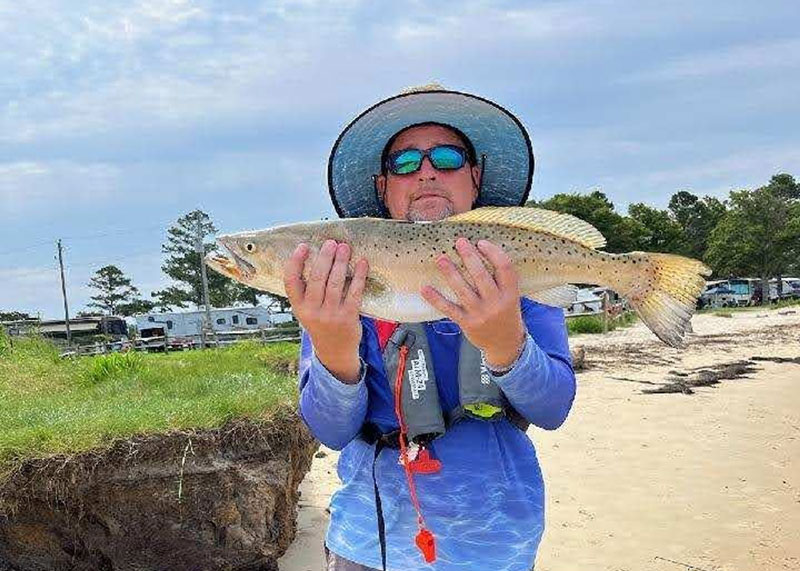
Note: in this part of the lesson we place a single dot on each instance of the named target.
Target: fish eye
(250, 247)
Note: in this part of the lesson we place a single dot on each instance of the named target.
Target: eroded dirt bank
(222, 499)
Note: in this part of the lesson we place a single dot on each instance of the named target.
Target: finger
(356, 291)
(335, 286)
(318, 274)
(466, 295)
(483, 280)
(442, 304)
(293, 274)
(504, 273)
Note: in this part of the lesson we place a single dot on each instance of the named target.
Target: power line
(26, 248)
(44, 270)
(92, 236)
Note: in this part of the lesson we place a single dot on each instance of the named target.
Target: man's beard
(414, 215)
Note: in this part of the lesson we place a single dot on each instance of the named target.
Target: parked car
(790, 289)
(718, 294)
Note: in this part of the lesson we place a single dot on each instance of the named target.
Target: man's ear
(380, 187)
(476, 181)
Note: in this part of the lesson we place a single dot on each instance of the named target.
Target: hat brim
(493, 130)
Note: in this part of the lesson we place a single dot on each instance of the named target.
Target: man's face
(428, 194)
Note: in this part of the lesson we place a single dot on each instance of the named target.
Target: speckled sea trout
(549, 251)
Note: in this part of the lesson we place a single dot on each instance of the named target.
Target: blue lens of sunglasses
(442, 157)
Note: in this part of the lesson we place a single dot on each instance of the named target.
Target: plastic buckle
(424, 463)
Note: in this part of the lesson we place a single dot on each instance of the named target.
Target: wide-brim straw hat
(494, 131)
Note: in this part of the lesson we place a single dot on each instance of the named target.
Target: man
(468, 493)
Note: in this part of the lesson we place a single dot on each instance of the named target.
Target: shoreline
(636, 481)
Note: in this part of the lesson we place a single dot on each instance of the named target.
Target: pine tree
(113, 289)
(182, 264)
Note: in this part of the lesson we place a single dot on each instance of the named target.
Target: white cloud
(57, 184)
(24, 288)
(752, 58)
(746, 168)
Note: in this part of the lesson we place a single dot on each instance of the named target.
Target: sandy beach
(707, 481)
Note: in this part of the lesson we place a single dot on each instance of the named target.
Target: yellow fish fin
(536, 219)
(666, 295)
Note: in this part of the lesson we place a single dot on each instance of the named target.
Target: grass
(780, 305)
(52, 405)
(594, 323)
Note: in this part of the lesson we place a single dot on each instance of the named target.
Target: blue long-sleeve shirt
(486, 505)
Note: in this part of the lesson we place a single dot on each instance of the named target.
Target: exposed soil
(222, 499)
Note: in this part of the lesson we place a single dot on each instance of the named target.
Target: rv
(183, 326)
(82, 329)
(790, 289)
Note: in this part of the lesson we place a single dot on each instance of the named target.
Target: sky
(118, 117)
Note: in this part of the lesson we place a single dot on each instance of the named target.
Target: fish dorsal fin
(537, 219)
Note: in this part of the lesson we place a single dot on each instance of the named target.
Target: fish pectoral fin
(561, 296)
(374, 287)
(535, 219)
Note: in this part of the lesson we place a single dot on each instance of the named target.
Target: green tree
(14, 316)
(622, 234)
(113, 288)
(697, 218)
(135, 307)
(785, 186)
(182, 264)
(759, 235)
(664, 234)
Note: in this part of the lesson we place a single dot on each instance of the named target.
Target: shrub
(103, 368)
(585, 324)
(5, 342)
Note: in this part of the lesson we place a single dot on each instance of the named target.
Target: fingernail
(329, 245)
(482, 243)
(342, 248)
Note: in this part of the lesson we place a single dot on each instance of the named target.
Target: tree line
(753, 233)
(116, 295)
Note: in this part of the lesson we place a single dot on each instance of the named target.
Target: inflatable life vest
(420, 415)
(479, 397)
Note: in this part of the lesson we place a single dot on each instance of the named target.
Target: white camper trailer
(189, 324)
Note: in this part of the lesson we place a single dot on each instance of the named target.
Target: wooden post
(605, 312)
(64, 294)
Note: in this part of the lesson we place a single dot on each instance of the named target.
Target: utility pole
(64, 293)
(200, 248)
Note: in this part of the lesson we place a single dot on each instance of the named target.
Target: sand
(707, 481)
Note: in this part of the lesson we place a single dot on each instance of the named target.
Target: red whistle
(424, 464)
(427, 545)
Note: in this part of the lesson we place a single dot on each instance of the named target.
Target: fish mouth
(223, 265)
(232, 264)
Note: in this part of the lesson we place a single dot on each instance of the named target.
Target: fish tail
(665, 292)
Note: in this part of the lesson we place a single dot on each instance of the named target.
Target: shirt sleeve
(541, 385)
(334, 411)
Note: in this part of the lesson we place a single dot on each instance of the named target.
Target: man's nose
(426, 169)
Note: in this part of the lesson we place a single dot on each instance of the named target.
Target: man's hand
(322, 306)
(488, 312)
